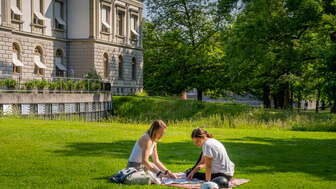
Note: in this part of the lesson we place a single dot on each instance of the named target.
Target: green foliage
(54, 85)
(31, 84)
(181, 48)
(69, 85)
(226, 115)
(81, 85)
(280, 51)
(9, 83)
(2, 83)
(42, 84)
(141, 94)
(95, 83)
(37, 84)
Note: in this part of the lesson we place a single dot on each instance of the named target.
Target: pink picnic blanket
(233, 183)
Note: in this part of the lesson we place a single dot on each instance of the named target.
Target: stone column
(92, 19)
(6, 13)
(127, 32)
(112, 21)
(140, 27)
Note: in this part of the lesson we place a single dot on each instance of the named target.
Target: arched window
(38, 60)
(106, 66)
(59, 62)
(17, 64)
(134, 70)
(120, 67)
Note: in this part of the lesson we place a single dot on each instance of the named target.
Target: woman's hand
(171, 175)
(191, 175)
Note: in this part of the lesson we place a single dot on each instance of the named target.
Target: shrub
(96, 81)
(94, 85)
(2, 84)
(10, 83)
(31, 84)
(69, 85)
(80, 85)
(54, 85)
(42, 84)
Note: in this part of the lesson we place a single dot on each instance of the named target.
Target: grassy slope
(56, 154)
(196, 114)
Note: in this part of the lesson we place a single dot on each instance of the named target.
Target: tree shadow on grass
(313, 156)
(250, 154)
(170, 153)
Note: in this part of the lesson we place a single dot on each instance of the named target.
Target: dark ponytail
(200, 133)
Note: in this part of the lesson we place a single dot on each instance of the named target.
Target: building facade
(71, 38)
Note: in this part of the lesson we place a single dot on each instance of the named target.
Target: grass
(63, 154)
(190, 113)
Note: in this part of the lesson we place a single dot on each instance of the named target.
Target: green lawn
(190, 113)
(58, 154)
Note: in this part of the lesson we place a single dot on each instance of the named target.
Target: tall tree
(195, 24)
(265, 47)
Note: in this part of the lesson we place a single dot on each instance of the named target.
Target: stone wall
(27, 44)
(90, 107)
(127, 85)
(5, 51)
(80, 57)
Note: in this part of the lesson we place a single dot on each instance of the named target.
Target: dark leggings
(201, 176)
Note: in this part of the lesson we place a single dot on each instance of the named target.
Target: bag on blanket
(133, 176)
(120, 177)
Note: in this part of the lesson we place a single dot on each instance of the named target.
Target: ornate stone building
(70, 38)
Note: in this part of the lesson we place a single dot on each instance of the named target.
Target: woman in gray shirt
(214, 158)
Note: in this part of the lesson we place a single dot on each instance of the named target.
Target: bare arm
(146, 154)
(159, 164)
(156, 160)
(208, 169)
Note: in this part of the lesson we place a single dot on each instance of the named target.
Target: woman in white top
(214, 158)
(146, 147)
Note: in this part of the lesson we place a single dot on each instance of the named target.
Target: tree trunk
(266, 97)
(199, 94)
(299, 101)
(281, 100)
(323, 105)
(275, 101)
(317, 101)
(286, 99)
(291, 100)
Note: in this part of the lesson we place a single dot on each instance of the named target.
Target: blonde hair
(200, 133)
(156, 125)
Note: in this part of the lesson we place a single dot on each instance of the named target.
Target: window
(38, 12)
(134, 27)
(105, 17)
(38, 60)
(16, 10)
(106, 66)
(134, 68)
(60, 67)
(120, 22)
(17, 64)
(120, 67)
(59, 15)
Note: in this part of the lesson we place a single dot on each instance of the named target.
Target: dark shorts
(201, 176)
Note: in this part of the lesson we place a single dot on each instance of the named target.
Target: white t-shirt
(221, 162)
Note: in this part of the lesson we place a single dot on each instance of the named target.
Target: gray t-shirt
(221, 162)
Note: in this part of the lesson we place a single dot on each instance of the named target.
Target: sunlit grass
(72, 154)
